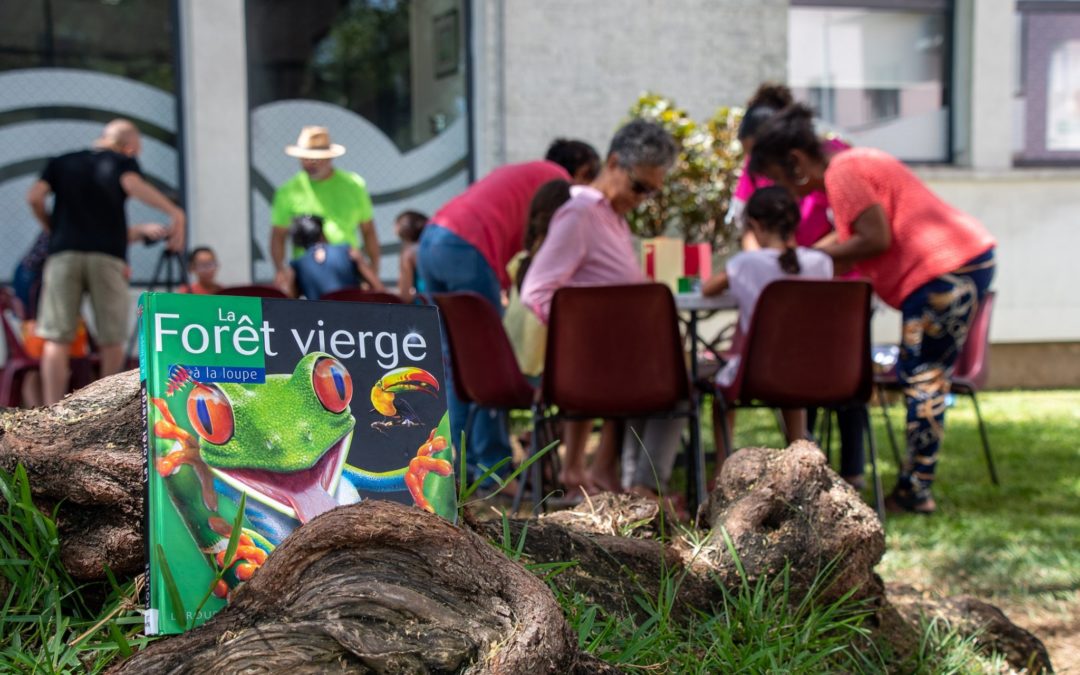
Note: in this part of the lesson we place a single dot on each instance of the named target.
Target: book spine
(150, 617)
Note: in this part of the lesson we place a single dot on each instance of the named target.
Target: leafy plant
(696, 195)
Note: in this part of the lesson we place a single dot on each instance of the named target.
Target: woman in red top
(925, 258)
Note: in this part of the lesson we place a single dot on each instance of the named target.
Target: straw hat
(314, 143)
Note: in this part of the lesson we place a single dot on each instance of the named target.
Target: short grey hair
(643, 143)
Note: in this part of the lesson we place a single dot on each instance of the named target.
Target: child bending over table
(772, 215)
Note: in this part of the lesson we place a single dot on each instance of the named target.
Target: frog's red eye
(333, 384)
(211, 414)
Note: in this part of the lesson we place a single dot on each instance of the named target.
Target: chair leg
(985, 440)
(720, 417)
(695, 461)
(536, 473)
(879, 496)
(780, 423)
(826, 433)
(889, 429)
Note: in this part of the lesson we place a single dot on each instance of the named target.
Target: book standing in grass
(261, 414)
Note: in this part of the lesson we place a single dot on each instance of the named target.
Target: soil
(1056, 623)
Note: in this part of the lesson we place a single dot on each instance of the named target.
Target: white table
(692, 304)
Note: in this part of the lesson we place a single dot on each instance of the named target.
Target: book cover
(288, 408)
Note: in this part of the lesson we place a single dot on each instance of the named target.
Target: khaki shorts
(70, 274)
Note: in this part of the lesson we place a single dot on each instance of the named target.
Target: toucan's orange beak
(409, 379)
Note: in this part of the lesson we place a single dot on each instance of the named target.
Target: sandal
(906, 500)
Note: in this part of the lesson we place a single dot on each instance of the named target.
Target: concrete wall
(216, 133)
(572, 68)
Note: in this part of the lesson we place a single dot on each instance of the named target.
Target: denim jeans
(446, 263)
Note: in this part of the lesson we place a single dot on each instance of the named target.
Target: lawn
(1016, 545)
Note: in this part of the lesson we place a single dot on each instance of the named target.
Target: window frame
(948, 91)
(1041, 156)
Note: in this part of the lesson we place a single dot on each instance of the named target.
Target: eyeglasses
(206, 266)
(640, 188)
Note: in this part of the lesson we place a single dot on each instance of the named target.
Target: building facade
(981, 96)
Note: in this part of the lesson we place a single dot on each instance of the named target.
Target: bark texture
(789, 507)
(971, 617)
(85, 454)
(378, 587)
(382, 588)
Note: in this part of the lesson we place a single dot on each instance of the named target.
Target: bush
(697, 193)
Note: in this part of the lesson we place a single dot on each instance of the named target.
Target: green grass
(1014, 543)
(48, 623)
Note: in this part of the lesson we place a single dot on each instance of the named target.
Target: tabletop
(696, 302)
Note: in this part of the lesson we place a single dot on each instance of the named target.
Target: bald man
(88, 240)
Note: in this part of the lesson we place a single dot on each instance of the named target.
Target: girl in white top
(772, 215)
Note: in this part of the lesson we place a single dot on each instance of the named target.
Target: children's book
(285, 408)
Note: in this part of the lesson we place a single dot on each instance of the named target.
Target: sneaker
(905, 500)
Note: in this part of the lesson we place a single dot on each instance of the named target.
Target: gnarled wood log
(972, 618)
(778, 507)
(379, 587)
(85, 454)
(789, 508)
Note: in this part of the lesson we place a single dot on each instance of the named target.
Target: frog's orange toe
(221, 589)
(244, 571)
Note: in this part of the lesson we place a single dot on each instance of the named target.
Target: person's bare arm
(407, 272)
(367, 273)
(39, 191)
(870, 236)
(828, 240)
(716, 284)
(283, 274)
(137, 187)
(147, 231)
(371, 243)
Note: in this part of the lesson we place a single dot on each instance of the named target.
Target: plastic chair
(483, 364)
(362, 295)
(808, 345)
(969, 376)
(615, 352)
(18, 362)
(254, 291)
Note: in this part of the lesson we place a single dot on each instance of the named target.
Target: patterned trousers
(936, 320)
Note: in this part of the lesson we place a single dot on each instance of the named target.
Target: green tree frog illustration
(284, 444)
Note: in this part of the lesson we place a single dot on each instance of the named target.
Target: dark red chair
(18, 362)
(253, 291)
(969, 376)
(615, 352)
(808, 346)
(483, 364)
(363, 295)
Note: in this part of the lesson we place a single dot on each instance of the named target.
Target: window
(876, 71)
(66, 68)
(388, 79)
(1047, 105)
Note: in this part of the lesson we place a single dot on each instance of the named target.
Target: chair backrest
(255, 291)
(9, 307)
(362, 295)
(483, 364)
(973, 364)
(808, 345)
(614, 351)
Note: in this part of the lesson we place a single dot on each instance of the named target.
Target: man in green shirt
(339, 197)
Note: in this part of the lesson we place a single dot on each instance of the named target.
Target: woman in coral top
(925, 258)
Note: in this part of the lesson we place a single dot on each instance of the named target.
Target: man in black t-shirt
(88, 243)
